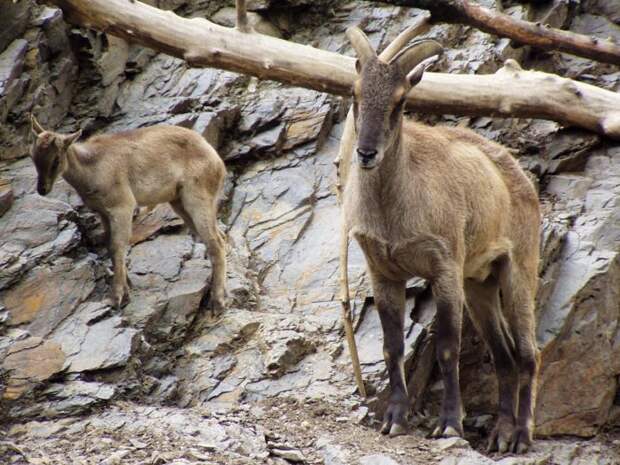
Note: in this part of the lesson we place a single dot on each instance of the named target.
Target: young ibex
(114, 173)
(452, 207)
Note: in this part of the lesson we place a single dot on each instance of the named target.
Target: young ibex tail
(114, 173)
(450, 206)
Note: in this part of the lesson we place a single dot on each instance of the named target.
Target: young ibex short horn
(450, 206)
(114, 173)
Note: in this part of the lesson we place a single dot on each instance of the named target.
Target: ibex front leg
(448, 293)
(120, 232)
(390, 300)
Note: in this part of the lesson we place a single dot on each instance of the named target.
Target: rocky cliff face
(65, 352)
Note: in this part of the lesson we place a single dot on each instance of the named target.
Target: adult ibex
(450, 206)
(114, 173)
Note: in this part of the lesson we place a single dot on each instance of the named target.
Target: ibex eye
(55, 163)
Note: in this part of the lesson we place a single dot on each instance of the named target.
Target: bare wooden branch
(511, 92)
(524, 32)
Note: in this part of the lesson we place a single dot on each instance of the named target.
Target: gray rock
(30, 362)
(27, 237)
(228, 17)
(332, 454)
(292, 455)
(76, 397)
(286, 349)
(377, 459)
(50, 294)
(93, 339)
(569, 150)
(14, 20)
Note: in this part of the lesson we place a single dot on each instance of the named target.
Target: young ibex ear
(362, 46)
(36, 127)
(71, 138)
(416, 58)
(416, 73)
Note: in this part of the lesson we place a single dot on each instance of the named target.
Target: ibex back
(114, 173)
(452, 207)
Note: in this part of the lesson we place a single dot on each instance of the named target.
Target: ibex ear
(36, 127)
(71, 138)
(416, 73)
(410, 59)
(362, 46)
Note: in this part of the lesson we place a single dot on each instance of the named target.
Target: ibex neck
(375, 196)
(383, 180)
(74, 168)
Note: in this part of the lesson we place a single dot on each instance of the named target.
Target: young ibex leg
(483, 302)
(448, 292)
(202, 211)
(106, 229)
(178, 208)
(390, 300)
(519, 306)
(120, 233)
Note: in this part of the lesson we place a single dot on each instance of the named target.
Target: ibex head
(49, 154)
(379, 93)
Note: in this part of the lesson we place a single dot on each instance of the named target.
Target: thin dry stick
(242, 16)
(345, 301)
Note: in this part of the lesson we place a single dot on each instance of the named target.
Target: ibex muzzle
(49, 155)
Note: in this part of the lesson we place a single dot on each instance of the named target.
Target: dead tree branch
(511, 92)
(524, 32)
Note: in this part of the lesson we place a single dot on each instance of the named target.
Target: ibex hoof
(505, 437)
(521, 440)
(120, 299)
(448, 428)
(217, 306)
(397, 430)
(394, 420)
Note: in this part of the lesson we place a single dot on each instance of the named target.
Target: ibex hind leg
(202, 209)
(518, 302)
(178, 208)
(484, 306)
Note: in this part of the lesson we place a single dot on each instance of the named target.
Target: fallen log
(524, 32)
(511, 92)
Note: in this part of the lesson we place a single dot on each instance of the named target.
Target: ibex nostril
(366, 153)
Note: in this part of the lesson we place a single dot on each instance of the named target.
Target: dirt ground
(267, 432)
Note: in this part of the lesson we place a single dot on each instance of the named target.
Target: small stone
(292, 455)
(444, 444)
(377, 459)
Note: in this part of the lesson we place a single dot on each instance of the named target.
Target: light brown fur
(115, 173)
(452, 207)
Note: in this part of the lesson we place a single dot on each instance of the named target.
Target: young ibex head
(49, 154)
(379, 93)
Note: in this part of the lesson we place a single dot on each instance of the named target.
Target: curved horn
(36, 127)
(360, 43)
(417, 52)
(420, 25)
